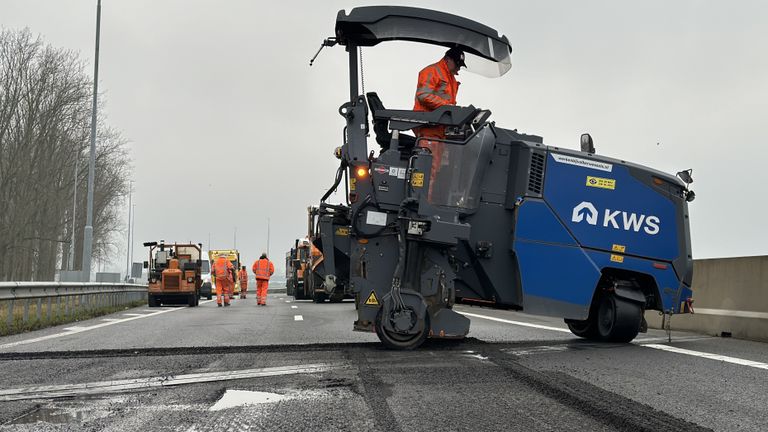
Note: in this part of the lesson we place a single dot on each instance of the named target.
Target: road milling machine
(318, 265)
(174, 273)
(505, 221)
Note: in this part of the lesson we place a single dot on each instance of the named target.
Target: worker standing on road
(437, 87)
(263, 269)
(224, 272)
(243, 275)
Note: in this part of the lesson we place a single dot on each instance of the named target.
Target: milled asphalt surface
(505, 376)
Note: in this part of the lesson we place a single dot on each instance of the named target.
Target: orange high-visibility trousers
(223, 289)
(261, 291)
(243, 289)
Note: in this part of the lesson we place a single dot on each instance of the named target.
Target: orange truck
(174, 273)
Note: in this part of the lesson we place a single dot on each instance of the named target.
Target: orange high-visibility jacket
(243, 274)
(437, 87)
(222, 269)
(263, 269)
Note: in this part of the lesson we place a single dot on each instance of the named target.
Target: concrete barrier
(730, 299)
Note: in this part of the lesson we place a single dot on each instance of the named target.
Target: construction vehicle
(328, 278)
(506, 222)
(297, 261)
(232, 256)
(174, 273)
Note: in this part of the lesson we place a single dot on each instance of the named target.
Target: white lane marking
(133, 314)
(74, 328)
(294, 307)
(298, 318)
(111, 319)
(93, 327)
(99, 387)
(727, 359)
(287, 301)
(732, 313)
(519, 323)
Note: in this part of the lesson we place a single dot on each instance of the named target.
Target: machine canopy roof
(367, 26)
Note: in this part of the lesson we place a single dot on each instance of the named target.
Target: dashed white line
(294, 307)
(298, 318)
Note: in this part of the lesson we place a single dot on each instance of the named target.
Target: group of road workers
(225, 275)
(437, 86)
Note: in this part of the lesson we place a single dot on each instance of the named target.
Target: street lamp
(88, 232)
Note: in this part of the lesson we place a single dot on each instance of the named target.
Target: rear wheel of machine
(398, 341)
(618, 320)
(319, 297)
(191, 300)
(585, 329)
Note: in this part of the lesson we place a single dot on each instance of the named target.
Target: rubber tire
(209, 297)
(319, 298)
(618, 320)
(585, 329)
(338, 298)
(400, 343)
(191, 300)
(151, 301)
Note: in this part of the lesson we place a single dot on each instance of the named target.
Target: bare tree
(44, 129)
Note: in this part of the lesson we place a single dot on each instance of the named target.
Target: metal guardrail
(63, 299)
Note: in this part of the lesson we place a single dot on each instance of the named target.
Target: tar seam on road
(375, 392)
(614, 410)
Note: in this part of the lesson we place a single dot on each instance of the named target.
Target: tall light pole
(128, 240)
(133, 224)
(71, 259)
(88, 232)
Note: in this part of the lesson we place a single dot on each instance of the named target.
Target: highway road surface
(297, 366)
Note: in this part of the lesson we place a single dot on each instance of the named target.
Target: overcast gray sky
(228, 126)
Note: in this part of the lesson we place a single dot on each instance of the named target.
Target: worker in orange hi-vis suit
(436, 87)
(224, 272)
(263, 269)
(243, 275)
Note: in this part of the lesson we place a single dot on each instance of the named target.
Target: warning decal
(417, 180)
(602, 183)
(617, 258)
(372, 300)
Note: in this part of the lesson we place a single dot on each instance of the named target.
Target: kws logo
(616, 219)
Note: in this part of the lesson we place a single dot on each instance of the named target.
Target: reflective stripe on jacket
(437, 87)
(263, 269)
(243, 277)
(222, 268)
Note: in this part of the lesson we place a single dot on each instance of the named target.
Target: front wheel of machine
(191, 300)
(618, 320)
(319, 297)
(397, 341)
(151, 302)
(585, 329)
